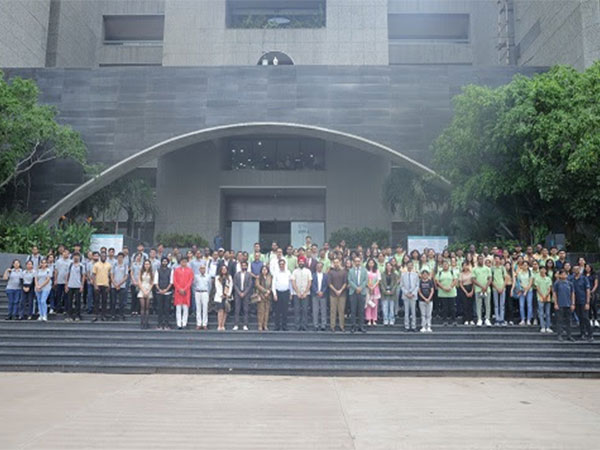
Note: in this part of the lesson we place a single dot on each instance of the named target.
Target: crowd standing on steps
(328, 288)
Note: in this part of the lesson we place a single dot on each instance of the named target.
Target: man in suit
(409, 284)
(311, 261)
(242, 287)
(357, 287)
(319, 290)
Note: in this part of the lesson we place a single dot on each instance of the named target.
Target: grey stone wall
(551, 32)
(120, 111)
(23, 32)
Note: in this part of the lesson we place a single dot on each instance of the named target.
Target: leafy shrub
(364, 237)
(181, 240)
(18, 235)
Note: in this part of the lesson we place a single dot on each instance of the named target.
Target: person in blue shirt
(581, 289)
(564, 303)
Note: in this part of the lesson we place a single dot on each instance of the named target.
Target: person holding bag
(223, 290)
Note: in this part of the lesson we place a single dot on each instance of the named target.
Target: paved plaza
(81, 411)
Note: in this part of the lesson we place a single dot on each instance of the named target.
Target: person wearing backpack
(74, 288)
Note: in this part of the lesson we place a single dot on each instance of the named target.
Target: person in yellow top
(101, 273)
(543, 284)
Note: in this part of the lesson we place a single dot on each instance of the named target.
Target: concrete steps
(121, 347)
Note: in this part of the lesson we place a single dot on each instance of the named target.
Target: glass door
(244, 235)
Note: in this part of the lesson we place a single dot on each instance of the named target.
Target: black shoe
(180, 328)
(8, 318)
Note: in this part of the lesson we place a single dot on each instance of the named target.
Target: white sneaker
(472, 323)
(479, 323)
(235, 328)
(549, 330)
(39, 318)
(245, 328)
(466, 322)
(596, 323)
(543, 330)
(429, 330)
(45, 319)
(522, 322)
(529, 323)
(423, 330)
(488, 323)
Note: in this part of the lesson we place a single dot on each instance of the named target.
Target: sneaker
(466, 322)
(51, 311)
(504, 324)
(479, 323)
(423, 330)
(235, 328)
(39, 318)
(488, 323)
(542, 330)
(529, 323)
(45, 319)
(472, 323)
(522, 322)
(245, 328)
(596, 323)
(549, 330)
(429, 330)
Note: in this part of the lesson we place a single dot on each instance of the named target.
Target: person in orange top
(183, 276)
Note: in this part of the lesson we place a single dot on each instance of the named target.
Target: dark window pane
(132, 28)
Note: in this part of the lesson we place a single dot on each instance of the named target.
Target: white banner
(437, 243)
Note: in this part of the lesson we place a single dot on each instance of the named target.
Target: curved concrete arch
(175, 143)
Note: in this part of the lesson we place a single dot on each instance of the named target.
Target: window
(136, 29)
(434, 27)
(275, 154)
(276, 13)
(275, 59)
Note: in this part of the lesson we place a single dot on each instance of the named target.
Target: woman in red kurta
(183, 277)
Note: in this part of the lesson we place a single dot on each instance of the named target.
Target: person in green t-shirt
(482, 278)
(290, 259)
(543, 284)
(524, 281)
(446, 284)
(499, 290)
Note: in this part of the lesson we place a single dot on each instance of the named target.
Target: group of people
(345, 289)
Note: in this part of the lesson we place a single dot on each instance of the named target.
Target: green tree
(133, 197)
(29, 132)
(531, 148)
(415, 196)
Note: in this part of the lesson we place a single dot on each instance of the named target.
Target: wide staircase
(121, 347)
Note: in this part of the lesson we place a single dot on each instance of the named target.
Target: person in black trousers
(281, 295)
(164, 283)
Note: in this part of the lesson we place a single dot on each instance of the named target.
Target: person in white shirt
(202, 285)
(281, 295)
(223, 291)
